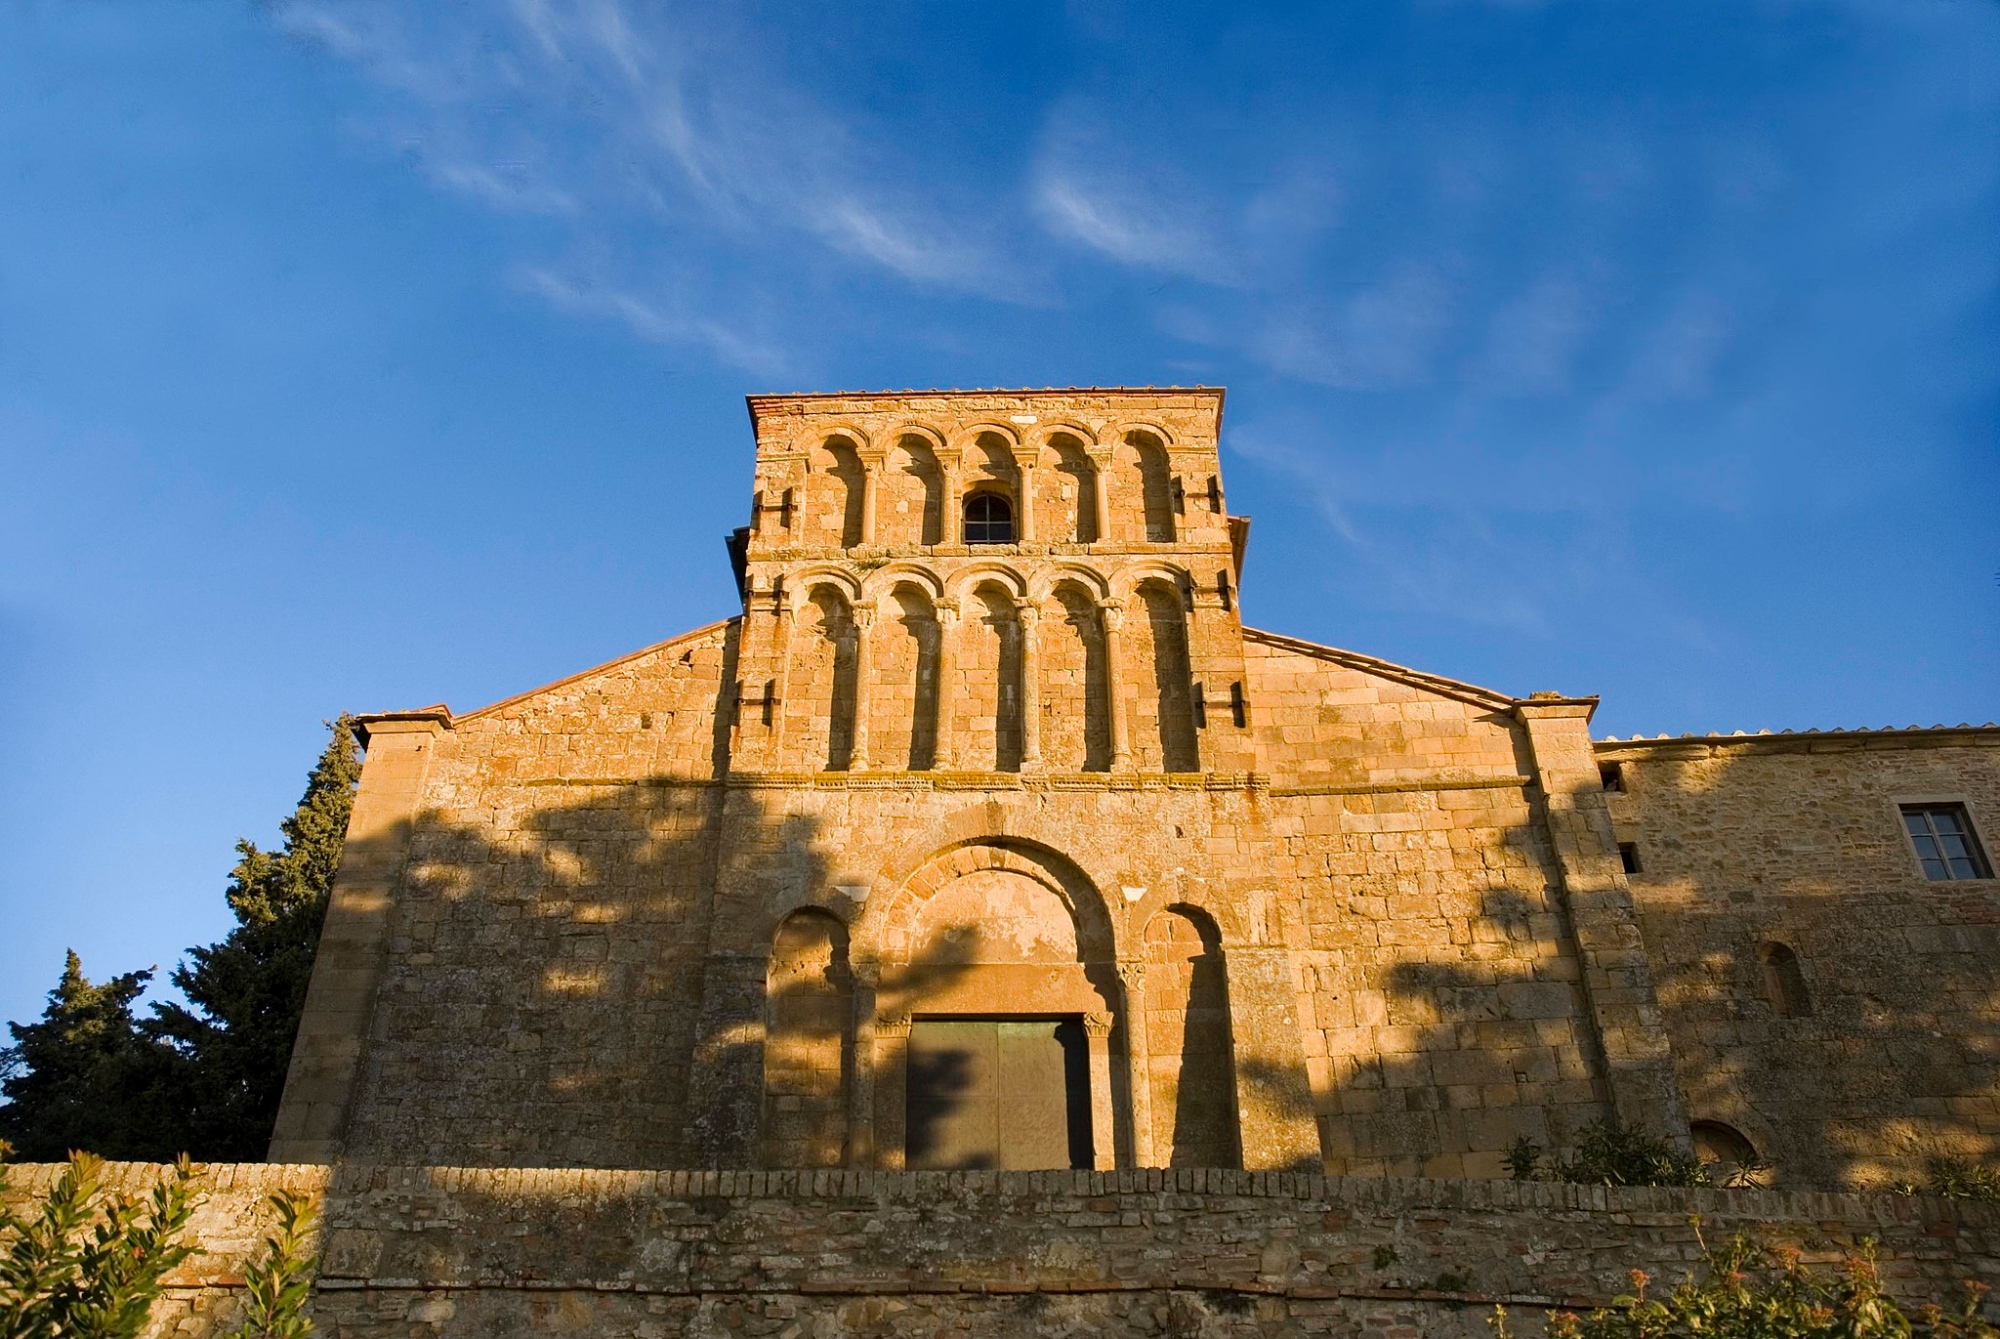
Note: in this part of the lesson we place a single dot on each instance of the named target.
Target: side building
(986, 835)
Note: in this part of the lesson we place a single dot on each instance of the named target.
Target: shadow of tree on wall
(1892, 1055)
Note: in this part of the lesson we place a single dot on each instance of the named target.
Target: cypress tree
(231, 1044)
(71, 1078)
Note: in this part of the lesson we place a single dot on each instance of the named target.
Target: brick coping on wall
(1384, 1191)
(1389, 1192)
(486, 1234)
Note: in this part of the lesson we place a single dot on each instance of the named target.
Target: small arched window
(989, 519)
(1784, 982)
(1731, 1159)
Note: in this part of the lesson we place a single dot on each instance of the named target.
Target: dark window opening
(1628, 856)
(989, 519)
(1946, 847)
(1721, 1145)
(1784, 981)
(1611, 776)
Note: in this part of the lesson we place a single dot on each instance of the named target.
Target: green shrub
(1749, 1292)
(1610, 1154)
(1958, 1180)
(278, 1282)
(86, 1264)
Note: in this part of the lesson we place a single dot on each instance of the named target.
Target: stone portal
(1009, 1093)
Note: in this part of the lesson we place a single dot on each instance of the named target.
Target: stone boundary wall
(425, 1251)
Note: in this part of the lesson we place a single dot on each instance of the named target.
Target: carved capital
(892, 1026)
(1132, 976)
(1112, 611)
(864, 614)
(1097, 1025)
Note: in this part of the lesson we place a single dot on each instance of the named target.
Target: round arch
(884, 580)
(808, 579)
(968, 579)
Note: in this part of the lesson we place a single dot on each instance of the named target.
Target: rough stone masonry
(986, 836)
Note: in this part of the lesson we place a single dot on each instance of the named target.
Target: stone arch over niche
(1726, 1149)
(1066, 505)
(819, 694)
(1784, 980)
(982, 938)
(1190, 1049)
(902, 703)
(838, 502)
(909, 502)
(1152, 476)
(1161, 702)
(808, 1042)
(986, 699)
(1075, 686)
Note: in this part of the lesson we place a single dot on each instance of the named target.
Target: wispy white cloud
(650, 133)
(1387, 334)
(1532, 342)
(653, 320)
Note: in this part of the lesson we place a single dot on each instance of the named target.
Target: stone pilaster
(864, 625)
(1031, 678)
(326, 1067)
(1617, 981)
(1112, 612)
(1138, 1059)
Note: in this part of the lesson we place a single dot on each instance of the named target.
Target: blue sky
(363, 356)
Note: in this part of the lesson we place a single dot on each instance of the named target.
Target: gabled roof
(443, 713)
(1403, 674)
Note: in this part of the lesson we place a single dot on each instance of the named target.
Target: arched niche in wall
(1152, 475)
(902, 700)
(1075, 688)
(986, 700)
(1066, 506)
(909, 501)
(808, 1042)
(819, 699)
(1161, 692)
(1784, 980)
(1190, 1048)
(836, 496)
(988, 463)
(1721, 1144)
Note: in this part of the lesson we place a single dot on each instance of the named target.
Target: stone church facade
(987, 835)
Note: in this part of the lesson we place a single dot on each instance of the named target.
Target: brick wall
(445, 1252)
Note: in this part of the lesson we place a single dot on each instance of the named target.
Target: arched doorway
(993, 1016)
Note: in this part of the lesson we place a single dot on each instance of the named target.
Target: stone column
(1113, 614)
(864, 623)
(952, 529)
(947, 626)
(1031, 692)
(1635, 1059)
(1103, 1136)
(871, 465)
(1100, 489)
(861, 1089)
(325, 1072)
(1026, 473)
(1138, 1060)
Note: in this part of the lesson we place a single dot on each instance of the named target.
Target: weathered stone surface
(454, 1251)
(1317, 911)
